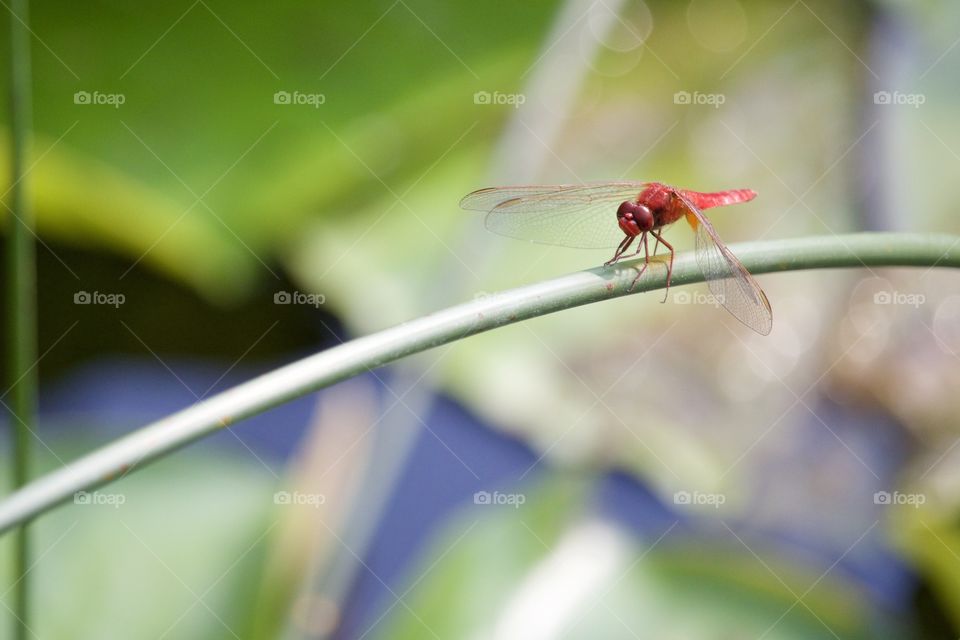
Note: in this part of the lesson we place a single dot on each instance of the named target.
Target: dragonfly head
(634, 218)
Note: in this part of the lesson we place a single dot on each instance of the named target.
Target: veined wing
(583, 216)
(727, 278)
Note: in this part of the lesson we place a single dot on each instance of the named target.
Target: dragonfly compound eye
(634, 218)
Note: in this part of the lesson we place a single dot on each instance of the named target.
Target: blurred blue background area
(454, 456)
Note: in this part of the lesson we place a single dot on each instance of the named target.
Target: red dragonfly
(582, 216)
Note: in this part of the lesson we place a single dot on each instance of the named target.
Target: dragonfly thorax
(634, 218)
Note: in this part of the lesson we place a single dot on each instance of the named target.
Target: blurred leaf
(85, 203)
(524, 569)
(175, 550)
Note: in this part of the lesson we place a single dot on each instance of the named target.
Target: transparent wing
(583, 216)
(727, 278)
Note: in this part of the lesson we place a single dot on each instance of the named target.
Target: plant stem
(21, 304)
(160, 438)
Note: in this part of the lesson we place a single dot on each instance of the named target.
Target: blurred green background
(678, 476)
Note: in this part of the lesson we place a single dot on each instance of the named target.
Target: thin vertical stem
(21, 304)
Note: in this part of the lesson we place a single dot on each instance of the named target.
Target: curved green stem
(328, 367)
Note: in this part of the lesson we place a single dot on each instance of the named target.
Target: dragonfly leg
(623, 246)
(656, 245)
(641, 247)
(646, 262)
(669, 266)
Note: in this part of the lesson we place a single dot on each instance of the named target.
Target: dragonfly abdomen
(720, 198)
